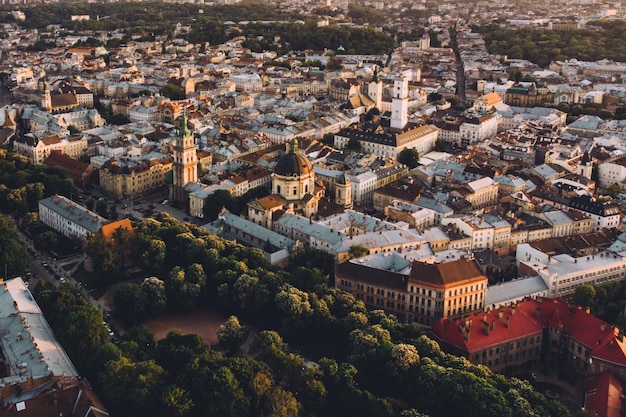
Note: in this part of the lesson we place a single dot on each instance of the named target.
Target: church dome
(293, 164)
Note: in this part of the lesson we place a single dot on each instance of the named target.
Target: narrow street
(54, 269)
(460, 69)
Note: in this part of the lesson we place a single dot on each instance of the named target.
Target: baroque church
(294, 190)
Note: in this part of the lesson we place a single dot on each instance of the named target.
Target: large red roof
(530, 317)
(488, 329)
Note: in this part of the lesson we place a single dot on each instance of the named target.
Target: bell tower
(46, 101)
(185, 166)
(400, 103)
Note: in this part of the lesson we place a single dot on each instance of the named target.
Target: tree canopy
(409, 157)
(543, 46)
(368, 364)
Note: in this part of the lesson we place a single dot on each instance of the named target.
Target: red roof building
(603, 395)
(515, 338)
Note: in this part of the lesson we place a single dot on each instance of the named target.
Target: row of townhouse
(38, 147)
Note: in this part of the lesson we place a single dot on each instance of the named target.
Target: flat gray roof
(73, 212)
(27, 341)
(512, 290)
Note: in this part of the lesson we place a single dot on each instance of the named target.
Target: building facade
(429, 292)
(185, 166)
(68, 218)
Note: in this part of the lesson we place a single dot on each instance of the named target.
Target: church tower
(343, 191)
(46, 101)
(375, 91)
(185, 166)
(585, 166)
(400, 103)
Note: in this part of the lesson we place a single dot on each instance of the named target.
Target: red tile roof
(488, 329)
(530, 317)
(599, 337)
(603, 395)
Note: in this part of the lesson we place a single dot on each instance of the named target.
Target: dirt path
(202, 321)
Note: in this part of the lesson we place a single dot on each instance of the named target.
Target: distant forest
(146, 20)
(542, 46)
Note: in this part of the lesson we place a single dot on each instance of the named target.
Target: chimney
(493, 322)
(500, 314)
(486, 327)
(602, 326)
(513, 310)
(508, 321)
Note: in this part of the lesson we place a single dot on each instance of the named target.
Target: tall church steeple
(46, 101)
(400, 103)
(185, 166)
(375, 91)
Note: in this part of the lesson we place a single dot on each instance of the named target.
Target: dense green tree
(229, 397)
(156, 297)
(133, 388)
(409, 157)
(130, 303)
(584, 295)
(45, 241)
(217, 201)
(13, 255)
(105, 267)
(82, 333)
(176, 401)
(152, 258)
(230, 334)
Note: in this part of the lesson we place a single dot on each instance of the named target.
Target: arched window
(295, 190)
(278, 189)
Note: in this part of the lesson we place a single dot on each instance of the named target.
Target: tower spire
(183, 132)
(293, 146)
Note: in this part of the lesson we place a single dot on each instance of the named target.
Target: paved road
(39, 272)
